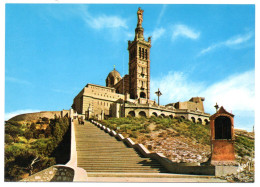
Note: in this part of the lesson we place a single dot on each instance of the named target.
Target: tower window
(146, 54)
(139, 52)
(142, 52)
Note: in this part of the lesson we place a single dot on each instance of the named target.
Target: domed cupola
(113, 78)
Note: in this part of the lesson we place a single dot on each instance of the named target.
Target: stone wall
(96, 98)
(52, 174)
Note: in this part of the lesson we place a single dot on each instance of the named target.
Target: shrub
(13, 131)
(133, 134)
(19, 156)
(28, 135)
(8, 139)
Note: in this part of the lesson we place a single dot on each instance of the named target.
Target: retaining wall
(57, 173)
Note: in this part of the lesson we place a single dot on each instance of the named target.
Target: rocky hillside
(178, 139)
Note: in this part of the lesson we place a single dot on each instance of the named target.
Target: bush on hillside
(19, 156)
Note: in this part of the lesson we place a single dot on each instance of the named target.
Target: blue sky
(53, 51)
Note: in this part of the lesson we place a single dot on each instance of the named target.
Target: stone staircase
(98, 152)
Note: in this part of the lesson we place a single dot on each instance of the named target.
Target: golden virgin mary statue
(140, 16)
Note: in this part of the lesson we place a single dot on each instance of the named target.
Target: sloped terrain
(178, 139)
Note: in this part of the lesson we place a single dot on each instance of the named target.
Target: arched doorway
(162, 115)
(222, 127)
(206, 121)
(142, 95)
(193, 119)
(171, 116)
(199, 121)
(154, 114)
(131, 113)
(182, 117)
(142, 114)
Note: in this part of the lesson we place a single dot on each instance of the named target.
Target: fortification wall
(36, 115)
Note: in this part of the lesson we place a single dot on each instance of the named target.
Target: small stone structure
(222, 138)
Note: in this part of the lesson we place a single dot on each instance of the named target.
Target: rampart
(37, 115)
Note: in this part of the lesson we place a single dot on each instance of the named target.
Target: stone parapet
(57, 173)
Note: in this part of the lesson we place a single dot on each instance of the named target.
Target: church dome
(114, 73)
(113, 78)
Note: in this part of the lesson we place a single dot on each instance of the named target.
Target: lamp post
(158, 93)
(216, 106)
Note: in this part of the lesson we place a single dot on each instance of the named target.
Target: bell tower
(139, 62)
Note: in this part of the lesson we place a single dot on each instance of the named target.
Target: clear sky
(53, 51)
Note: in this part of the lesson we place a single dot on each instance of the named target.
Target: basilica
(130, 95)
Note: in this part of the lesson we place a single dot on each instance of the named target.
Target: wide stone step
(97, 151)
(120, 165)
(137, 160)
(146, 175)
(122, 171)
(108, 151)
(107, 159)
(95, 156)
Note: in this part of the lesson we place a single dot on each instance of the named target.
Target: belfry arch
(142, 95)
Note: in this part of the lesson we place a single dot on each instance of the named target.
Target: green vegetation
(132, 127)
(29, 149)
(135, 127)
(244, 146)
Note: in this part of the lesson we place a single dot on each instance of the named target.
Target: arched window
(154, 114)
(131, 113)
(142, 95)
(112, 81)
(193, 119)
(142, 114)
(162, 115)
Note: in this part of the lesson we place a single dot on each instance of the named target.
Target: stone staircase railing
(179, 168)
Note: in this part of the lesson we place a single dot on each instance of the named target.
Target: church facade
(130, 95)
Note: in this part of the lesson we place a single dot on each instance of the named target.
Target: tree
(28, 135)
(41, 136)
(33, 127)
(13, 131)
(47, 131)
(8, 139)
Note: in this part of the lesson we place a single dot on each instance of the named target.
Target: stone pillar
(222, 138)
